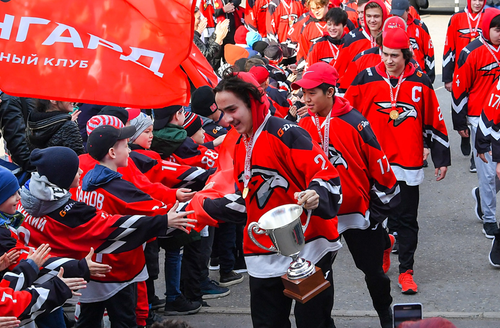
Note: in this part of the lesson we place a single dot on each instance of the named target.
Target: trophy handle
(255, 227)
(304, 227)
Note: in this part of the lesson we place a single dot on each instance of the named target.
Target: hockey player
(400, 104)
(368, 58)
(369, 193)
(476, 71)
(374, 15)
(281, 16)
(72, 227)
(274, 161)
(328, 47)
(420, 40)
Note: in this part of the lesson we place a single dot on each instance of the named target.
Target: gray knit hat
(141, 123)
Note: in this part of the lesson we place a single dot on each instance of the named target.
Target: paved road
(452, 270)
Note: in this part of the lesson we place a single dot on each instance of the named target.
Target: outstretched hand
(96, 269)
(7, 259)
(180, 220)
(73, 284)
(40, 255)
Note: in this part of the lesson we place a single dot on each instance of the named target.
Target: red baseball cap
(317, 74)
(260, 73)
(396, 38)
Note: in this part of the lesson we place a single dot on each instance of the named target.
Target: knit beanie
(203, 101)
(260, 46)
(141, 123)
(253, 37)
(98, 120)
(232, 53)
(58, 164)
(192, 123)
(8, 184)
(240, 35)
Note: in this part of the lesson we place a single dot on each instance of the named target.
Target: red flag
(199, 70)
(223, 180)
(119, 52)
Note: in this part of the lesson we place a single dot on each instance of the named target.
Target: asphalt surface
(452, 271)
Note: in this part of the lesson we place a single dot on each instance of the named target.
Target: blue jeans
(54, 319)
(173, 261)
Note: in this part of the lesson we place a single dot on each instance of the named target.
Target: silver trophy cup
(282, 224)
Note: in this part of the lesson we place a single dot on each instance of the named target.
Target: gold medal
(245, 192)
(394, 114)
(472, 39)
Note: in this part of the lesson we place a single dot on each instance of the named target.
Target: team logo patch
(336, 157)
(467, 34)
(491, 69)
(266, 181)
(399, 114)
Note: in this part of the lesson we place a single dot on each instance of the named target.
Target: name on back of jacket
(91, 198)
(36, 222)
(61, 33)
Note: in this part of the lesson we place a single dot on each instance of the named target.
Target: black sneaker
(212, 290)
(472, 167)
(152, 318)
(465, 146)
(490, 229)
(230, 278)
(182, 306)
(477, 208)
(495, 252)
(158, 303)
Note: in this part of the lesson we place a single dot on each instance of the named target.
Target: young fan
(171, 141)
(369, 193)
(71, 227)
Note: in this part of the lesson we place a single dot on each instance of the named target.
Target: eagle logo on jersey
(491, 69)
(270, 180)
(404, 111)
(414, 44)
(467, 34)
(336, 157)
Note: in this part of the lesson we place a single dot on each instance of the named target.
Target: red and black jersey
(325, 49)
(284, 161)
(255, 16)
(25, 301)
(279, 101)
(306, 33)
(133, 174)
(280, 17)
(463, 28)
(207, 10)
(488, 129)
(170, 174)
(475, 72)
(192, 154)
(105, 190)
(368, 191)
(355, 42)
(421, 43)
(365, 59)
(399, 130)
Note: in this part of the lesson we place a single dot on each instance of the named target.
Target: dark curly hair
(241, 89)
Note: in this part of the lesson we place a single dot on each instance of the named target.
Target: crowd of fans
(112, 186)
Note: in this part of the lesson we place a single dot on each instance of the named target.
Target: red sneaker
(386, 264)
(408, 286)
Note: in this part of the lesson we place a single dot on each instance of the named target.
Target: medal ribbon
(473, 31)
(324, 141)
(491, 52)
(335, 54)
(249, 143)
(394, 97)
(373, 43)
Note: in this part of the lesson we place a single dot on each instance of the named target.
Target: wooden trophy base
(302, 290)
